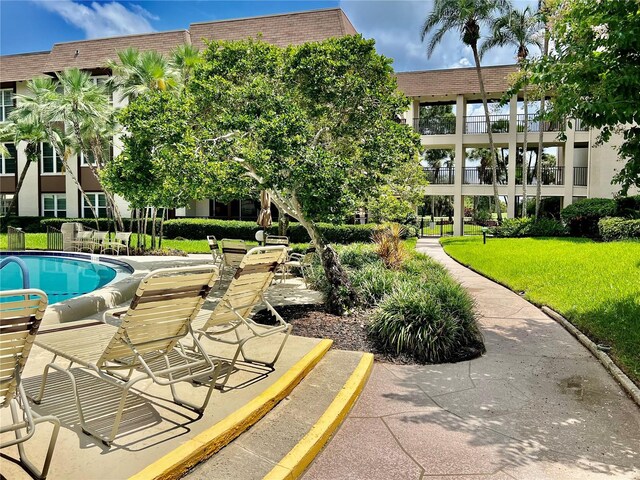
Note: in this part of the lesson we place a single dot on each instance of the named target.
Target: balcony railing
(482, 176)
(535, 125)
(550, 176)
(579, 126)
(478, 124)
(580, 176)
(440, 176)
(435, 126)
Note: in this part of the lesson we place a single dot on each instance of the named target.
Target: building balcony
(580, 176)
(482, 176)
(476, 124)
(440, 176)
(535, 125)
(435, 126)
(549, 176)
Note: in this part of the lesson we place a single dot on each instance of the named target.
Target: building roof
(281, 29)
(456, 81)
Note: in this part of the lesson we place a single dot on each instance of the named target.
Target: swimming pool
(61, 277)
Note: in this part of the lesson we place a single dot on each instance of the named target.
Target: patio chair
(233, 251)
(98, 240)
(20, 316)
(160, 315)
(83, 241)
(215, 250)
(244, 294)
(301, 262)
(271, 240)
(120, 242)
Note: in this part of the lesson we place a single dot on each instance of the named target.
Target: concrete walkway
(536, 406)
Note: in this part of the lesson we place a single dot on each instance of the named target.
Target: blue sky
(35, 25)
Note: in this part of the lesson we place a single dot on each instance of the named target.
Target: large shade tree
(315, 125)
(593, 73)
(467, 17)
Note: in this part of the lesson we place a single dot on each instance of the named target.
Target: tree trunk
(81, 190)
(485, 103)
(23, 174)
(545, 52)
(525, 162)
(164, 212)
(341, 296)
(154, 216)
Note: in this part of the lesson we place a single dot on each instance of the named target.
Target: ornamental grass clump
(387, 241)
(429, 322)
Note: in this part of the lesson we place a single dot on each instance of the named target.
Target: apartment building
(47, 190)
(581, 168)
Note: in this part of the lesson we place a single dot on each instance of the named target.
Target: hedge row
(582, 217)
(616, 228)
(528, 227)
(199, 228)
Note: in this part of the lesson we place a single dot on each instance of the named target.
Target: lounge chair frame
(120, 242)
(20, 322)
(135, 357)
(257, 270)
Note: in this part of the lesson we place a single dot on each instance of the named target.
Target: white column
(569, 154)
(513, 156)
(458, 163)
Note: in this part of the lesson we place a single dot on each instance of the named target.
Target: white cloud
(101, 19)
(396, 26)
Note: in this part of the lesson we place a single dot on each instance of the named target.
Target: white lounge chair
(159, 316)
(20, 314)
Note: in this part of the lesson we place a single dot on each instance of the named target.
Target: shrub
(387, 245)
(199, 228)
(628, 207)
(28, 224)
(357, 255)
(528, 227)
(104, 224)
(582, 216)
(373, 282)
(431, 322)
(616, 228)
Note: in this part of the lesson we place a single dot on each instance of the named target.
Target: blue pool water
(61, 278)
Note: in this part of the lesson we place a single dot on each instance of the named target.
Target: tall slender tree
(521, 29)
(467, 17)
(543, 12)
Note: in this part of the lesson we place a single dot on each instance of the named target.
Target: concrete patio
(536, 406)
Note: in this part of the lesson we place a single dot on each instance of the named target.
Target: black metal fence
(482, 176)
(478, 123)
(15, 239)
(440, 176)
(435, 126)
(580, 176)
(54, 239)
(534, 125)
(549, 176)
(435, 228)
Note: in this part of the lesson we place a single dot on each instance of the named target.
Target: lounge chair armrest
(114, 313)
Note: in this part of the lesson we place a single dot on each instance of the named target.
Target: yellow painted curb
(299, 458)
(176, 463)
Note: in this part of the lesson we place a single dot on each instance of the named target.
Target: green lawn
(595, 285)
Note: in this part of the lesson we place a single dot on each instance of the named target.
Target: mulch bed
(347, 332)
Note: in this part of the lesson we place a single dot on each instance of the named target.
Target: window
(54, 205)
(5, 201)
(6, 103)
(88, 159)
(8, 162)
(99, 202)
(50, 161)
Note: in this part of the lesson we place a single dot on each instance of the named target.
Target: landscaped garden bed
(595, 285)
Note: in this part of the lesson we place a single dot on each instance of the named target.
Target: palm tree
(84, 107)
(184, 59)
(38, 109)
(137, 72)
(467, 17)
(521, 29)
(33, 134)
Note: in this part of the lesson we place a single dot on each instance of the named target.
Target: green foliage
(432, 322)
(373, 282)
(628, 207)
(594, 73)
(529, 227)
(199, 228)
(616, 228)
(596, 285)
(582, 216)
